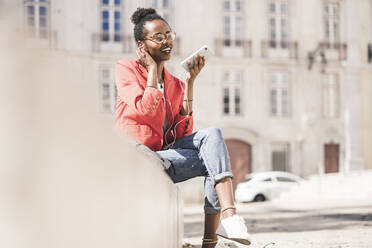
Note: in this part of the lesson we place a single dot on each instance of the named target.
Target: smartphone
(203, 51)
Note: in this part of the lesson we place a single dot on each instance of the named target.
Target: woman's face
(158, 51)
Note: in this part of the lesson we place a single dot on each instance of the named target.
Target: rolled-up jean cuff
(212, 210)
(221, 176)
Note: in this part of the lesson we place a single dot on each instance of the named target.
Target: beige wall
(67, 180)
(367, 116)
(365, 37)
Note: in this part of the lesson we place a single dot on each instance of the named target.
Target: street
(322, 224)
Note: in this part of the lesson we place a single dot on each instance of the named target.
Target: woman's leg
(211, 222)
(211, 150)
(224, 191)
(218, 186)
(187, 164)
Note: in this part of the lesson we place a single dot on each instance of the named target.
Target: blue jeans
(202, 153)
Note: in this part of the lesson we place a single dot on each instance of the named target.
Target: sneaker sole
(241, 241)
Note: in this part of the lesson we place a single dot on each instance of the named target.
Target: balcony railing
(104, 42)
(335, 50)
(46, 37)
(282, 49)
(225, 47)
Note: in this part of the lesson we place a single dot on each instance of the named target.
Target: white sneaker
(234, 228)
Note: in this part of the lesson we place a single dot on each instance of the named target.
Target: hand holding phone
(204, 51)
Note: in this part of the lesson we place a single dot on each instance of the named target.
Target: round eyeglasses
(160, 37)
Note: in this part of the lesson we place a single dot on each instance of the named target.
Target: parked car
(265, 185)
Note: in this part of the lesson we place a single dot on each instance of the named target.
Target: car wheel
(259, 198)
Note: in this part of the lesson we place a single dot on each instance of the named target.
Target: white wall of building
(305, 129)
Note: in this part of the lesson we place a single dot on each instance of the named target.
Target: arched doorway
(241, 159)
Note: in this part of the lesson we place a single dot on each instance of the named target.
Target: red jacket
(140, 111)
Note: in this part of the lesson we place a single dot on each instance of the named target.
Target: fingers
(139, 53)
(199, 62)
(190, 66)
(202, 63)
(139, 56)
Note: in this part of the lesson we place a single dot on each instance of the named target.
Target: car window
(285, 179)
(247, 179)
(267, 179)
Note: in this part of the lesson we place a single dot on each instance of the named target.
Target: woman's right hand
(144, 58)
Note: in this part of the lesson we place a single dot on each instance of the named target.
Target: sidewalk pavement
(310, 224)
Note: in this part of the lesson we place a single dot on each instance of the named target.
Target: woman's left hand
(199, 62)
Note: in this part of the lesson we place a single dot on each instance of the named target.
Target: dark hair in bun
(139, 17)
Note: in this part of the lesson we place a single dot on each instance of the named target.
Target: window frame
(111, 35)
(232, 82)
(281, 34)
(112, 91)
(279, 87)
(332, 38)
(234, 37)
(276, 147)
(36, 30)
(163, 10)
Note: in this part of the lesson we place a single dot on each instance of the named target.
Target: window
(267, 180)
(286, 180)
(280, 157)
(278, 24)
(332, 24)
(233, 23)
(111, 21)
(279, 94)
(232, 84)
(247, 179)
(331, 95)
(37, 18)
(108, 92)
(163, 7)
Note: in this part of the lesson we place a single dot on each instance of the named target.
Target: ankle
(209, 242)
(228, 213)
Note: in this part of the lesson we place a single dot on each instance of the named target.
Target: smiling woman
(154, 108)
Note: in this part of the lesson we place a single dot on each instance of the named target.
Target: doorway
(240, 154)
(331, 158)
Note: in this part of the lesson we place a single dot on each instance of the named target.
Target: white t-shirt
(165, 123)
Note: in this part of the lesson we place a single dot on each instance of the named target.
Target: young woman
(155, 109)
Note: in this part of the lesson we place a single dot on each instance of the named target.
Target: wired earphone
(174, 129)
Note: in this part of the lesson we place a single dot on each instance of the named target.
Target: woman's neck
(160, 68)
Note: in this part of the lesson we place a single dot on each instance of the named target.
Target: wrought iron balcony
(282, 49)
(233, 48)
(335, 50)
(105, 42)
(45, 36)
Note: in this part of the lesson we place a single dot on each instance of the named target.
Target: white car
(265, 185)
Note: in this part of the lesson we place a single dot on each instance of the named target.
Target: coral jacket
(140, 110)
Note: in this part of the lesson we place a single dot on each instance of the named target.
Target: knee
(214, 132)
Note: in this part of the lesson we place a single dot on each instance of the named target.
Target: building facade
(284, 85)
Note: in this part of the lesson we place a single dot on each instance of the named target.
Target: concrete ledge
(86, 199)
(67, 180)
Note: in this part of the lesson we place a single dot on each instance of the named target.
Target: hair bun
(140, 13)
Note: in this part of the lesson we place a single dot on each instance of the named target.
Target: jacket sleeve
(148, 102)
(184, 123)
